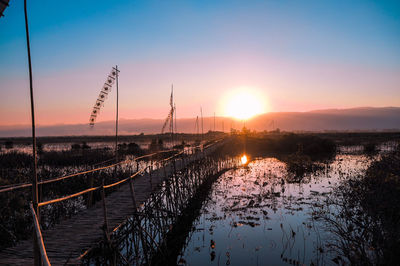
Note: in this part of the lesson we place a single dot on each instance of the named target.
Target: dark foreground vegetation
(364, 214)
(16, 168)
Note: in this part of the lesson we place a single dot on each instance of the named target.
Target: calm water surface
(262, 215)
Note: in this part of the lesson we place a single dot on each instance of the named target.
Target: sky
(292, 55)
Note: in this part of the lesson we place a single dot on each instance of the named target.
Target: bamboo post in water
(132, 194)
(150, 175)
(90, 196)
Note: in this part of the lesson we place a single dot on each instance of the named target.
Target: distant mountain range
(354, 119)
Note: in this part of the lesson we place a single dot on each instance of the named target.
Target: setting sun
(244, 104)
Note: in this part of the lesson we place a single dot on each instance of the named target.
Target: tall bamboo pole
(214, 121)
(202, 131)
(176, 129)
(116, 119)
(172, 115)
(37, 259)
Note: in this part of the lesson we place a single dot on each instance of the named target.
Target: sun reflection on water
(243, 159)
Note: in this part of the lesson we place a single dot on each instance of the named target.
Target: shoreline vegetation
(364, 214)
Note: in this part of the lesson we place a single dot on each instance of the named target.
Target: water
(258, 215)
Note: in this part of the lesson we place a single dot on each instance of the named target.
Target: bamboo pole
(116, 123)
(105, 226)
(150, 175)
(37, 260)
(133, 194)
(202, 129)
(90, 196)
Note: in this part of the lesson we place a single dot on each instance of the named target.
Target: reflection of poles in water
(288, 242)
(37, 259)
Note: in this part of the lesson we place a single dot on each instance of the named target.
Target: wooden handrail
(24, 185)
(39, 238)
(38, 233)
(44, 203)
(124, 180)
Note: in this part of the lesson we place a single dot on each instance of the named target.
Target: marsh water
(265, 213)
(262, 214)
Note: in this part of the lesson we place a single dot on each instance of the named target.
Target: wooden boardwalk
(70, 238)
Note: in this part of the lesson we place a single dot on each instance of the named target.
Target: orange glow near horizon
(244, 104)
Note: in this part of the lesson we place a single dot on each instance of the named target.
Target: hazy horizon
(211, 117)
(354, 119)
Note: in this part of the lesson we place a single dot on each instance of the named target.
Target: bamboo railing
(39, 237)
(103, 187)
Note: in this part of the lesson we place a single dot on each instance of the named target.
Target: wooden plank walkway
(72, 237)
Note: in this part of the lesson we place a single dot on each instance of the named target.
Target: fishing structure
(170, 118)
(105, 90)
(111, 79)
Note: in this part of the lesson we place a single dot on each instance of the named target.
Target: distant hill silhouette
(354, 119)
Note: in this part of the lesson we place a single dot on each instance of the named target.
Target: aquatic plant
(370, 147)
(364, 215)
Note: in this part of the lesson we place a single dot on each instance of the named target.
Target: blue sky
(301, 55)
